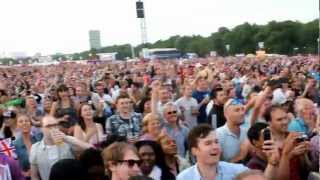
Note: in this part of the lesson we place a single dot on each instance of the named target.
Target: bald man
(53, 147)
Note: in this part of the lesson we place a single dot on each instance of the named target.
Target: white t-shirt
(155, 173)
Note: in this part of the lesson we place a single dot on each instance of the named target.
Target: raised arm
(77, 143)
(156, 85)
(258, 103)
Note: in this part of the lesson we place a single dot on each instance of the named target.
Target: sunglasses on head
(131, 162)
(172, 112)
(234, 102)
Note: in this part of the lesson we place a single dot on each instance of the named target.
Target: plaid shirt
(115, 125)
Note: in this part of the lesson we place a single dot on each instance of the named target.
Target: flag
(7, 148)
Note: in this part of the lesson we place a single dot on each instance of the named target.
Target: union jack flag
(7, 148)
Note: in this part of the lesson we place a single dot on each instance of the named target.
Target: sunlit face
(188, 91)
(308, 111)
(235, 114)
(221, 97)
(202, 83)
(100, 89)
(49, 123)
(123, 171)
(71, 91)
(154, 126)
(208, 149)
(171, 114)
(31, 103)
(86, 112)
(279, 121)
(124, 105)
(63, 94)
(231, 92)
(24, 123)
(168, 145)
(164, 95)
(147, 107)
(80, 91)
(47, 104)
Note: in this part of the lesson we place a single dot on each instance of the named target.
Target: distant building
(94, 39)
(107, 56)
(160, 53)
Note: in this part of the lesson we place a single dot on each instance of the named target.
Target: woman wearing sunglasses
(121, 161)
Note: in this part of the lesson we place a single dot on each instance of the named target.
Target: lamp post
(318, 46)
(228, 48)
(295, 50)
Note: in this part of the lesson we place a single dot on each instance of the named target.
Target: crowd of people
(220, 118)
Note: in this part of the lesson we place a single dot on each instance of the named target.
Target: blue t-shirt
(199, 96)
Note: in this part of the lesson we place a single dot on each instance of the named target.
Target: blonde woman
(24, 142)
(151, 127)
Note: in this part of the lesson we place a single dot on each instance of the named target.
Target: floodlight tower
(142, 17)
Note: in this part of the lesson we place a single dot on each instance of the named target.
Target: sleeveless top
(95, 139)
(71, 111)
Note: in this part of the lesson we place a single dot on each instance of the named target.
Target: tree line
(286, 37)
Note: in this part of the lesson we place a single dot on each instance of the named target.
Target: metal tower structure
(143, 25)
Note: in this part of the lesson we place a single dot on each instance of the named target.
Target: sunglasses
(65, 124)
(51, 126)
(172, 112)
(236, 102)
(131, 162)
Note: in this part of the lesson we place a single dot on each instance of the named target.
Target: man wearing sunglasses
(173, 127)
(53, 147)
(121, 160)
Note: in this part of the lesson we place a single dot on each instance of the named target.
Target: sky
(51, 26)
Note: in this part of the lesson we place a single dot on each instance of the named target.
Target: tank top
(70, 111)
